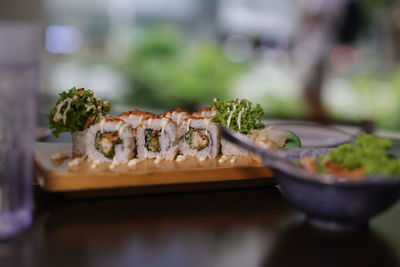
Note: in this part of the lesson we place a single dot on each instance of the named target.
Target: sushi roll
(75, 111)
(199, 137)
(240, 116)
(134, 117)
(157, 138)
(177, 115)
(110, 140)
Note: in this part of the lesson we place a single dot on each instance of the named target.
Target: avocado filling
(105, 143)
(292, 141)
(151, 140)
(197, 138)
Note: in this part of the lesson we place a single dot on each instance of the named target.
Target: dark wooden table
(252, 227)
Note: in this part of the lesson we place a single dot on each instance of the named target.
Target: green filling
(197, 138)
(369, 153)
(189, 136)
(151, 140)
(228, 112)
(84, 111)
(292, 141)
(111, 139)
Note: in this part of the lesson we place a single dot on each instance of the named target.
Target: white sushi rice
(230, 149)
(79, 143)
(123, 152)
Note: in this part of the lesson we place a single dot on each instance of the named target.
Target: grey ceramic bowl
(328, 201)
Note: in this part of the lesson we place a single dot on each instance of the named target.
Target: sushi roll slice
(157, 138)
(239, 115)
(110, 140)
(199, 137)
(75, 111)
(134, 117)
(177, 115)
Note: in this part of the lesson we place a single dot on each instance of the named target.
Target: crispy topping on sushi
(135, 117)
(162, 120)
(177, 115)
(76, 110)
(204, 112)
(110, 119)
(136, 112)
(176, 110)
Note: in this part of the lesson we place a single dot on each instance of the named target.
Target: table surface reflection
(249, 227)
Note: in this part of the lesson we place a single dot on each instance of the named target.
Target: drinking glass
(19, 44)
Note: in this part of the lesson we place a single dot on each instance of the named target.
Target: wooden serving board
(146, 177)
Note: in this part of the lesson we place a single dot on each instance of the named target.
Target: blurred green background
(158, 55)
(163, 72)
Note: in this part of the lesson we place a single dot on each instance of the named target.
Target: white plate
(316, 135)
